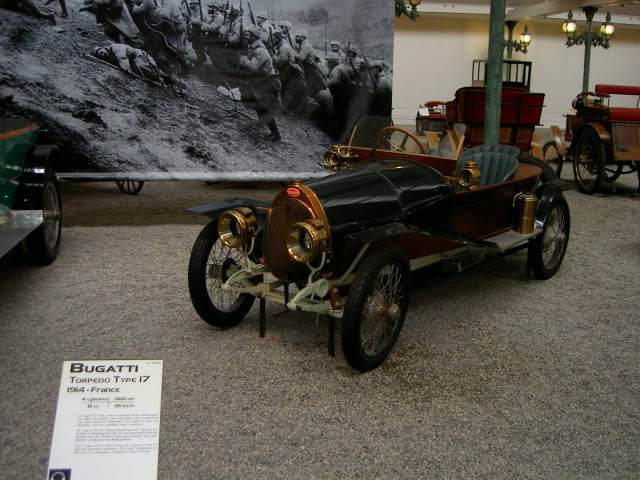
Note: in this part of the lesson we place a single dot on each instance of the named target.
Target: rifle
(201, 14)
(285, 27)
(242, 39)
(366, 61)
(224, 13)
(253, 20)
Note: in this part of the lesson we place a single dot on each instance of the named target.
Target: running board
(508, 240)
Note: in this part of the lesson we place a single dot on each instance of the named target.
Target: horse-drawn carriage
(444, 125)
(604, 141)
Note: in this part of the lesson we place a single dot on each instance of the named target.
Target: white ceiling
(621, 12)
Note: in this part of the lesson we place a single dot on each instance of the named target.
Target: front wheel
(211, 264)
(44, 242)
(552, 156)
(547, 250)
(375, 309)
(588, 161)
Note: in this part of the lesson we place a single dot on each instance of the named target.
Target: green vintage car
(30, 207)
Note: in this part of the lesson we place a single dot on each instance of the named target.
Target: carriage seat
(497, 163)
(620, 114)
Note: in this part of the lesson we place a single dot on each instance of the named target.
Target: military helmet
(213, 4)
(285, 23)
(334, 42)
(301, 33)
(262, 15)
(353, 49)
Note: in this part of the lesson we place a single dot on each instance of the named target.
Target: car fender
(546, 193)
(214, 209)
(598, 128)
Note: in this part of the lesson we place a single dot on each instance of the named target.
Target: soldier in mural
(335, 48)
(130, 59)
(294, 88)
(263, 92)
(307, 59)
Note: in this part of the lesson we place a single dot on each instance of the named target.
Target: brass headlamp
(337, 156)
(306, 240)
(469, 176)
(236, 226)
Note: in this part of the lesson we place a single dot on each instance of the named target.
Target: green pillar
(494, 73)
(588, 40)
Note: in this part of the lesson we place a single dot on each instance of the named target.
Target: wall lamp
(522, 43)
(407, 8)
(599, 39)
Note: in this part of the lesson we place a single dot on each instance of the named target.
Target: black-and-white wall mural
(196, 88)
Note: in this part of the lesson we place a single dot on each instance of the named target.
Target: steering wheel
(384, 136)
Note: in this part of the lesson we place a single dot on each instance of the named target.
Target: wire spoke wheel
(223, 261)
(382, 310)
(588, 161)
(548, 249)
(375, 309)
(210, 266)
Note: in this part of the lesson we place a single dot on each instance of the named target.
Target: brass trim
(318, 209)
(317, 232)
(469, 176)
(247, 226)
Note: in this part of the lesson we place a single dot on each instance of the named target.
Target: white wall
(433, 58)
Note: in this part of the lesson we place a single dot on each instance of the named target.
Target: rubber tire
(37, 247)
(354, 308)
(130, 187)
(548, 173)
(588, 134)
(559, 158)
(535, 248)
(614, 171)
(197, 278)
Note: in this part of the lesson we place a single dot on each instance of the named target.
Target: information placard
(107, 421)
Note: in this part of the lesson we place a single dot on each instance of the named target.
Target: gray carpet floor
(495, 375)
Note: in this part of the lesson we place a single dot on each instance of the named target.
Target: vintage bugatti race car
(345, 246)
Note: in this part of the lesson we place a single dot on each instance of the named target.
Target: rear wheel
(376, 307)
(588, 161)
(552, 156)
(211, 264)
(44, 242)
(614, 171)
(130, 187)
(547, 251)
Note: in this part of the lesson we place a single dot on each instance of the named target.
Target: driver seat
(496, 163)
